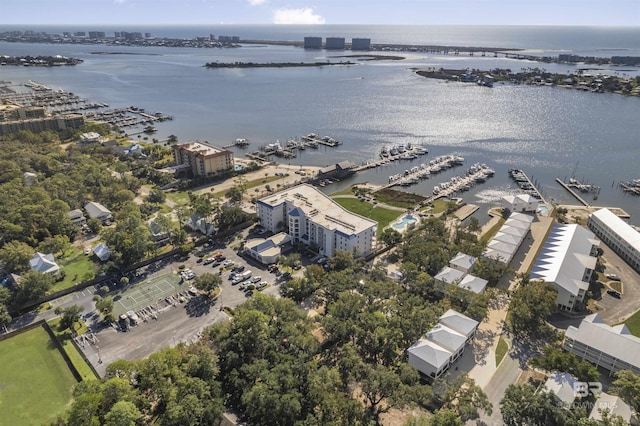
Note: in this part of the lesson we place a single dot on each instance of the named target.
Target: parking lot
(180, 319)
(618, 309)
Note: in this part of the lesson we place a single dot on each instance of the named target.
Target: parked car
(321, 260)
(208, 260)
(262, 285)
(228, 263)
(614, 293)
(133, 318)
(256, 279)
(238, 268)
(237, 280)
(613, 277)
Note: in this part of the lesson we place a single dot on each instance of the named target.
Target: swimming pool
(405, 222)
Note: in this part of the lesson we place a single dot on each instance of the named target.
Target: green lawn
(78, 267)
(381, 215)
(493, 231)
(35, 383)
(76, 358)
(633, 324)
(501, 350)
(179, 197)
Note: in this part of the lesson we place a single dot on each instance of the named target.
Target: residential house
(97, 211)
(102, 252)
(44, 263)
(77, 217)
(267, 250)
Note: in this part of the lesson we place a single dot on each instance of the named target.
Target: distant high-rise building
(335, 43)
(212, 37)
(66, 34)
(361, 44)
(96, 34)
(80, 34)
(117, 34)
(147, 35)
(313, 42)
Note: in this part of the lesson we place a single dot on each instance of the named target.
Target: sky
(388, 12)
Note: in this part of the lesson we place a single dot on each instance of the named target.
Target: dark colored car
(614, 293)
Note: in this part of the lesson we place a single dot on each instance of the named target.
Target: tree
(32, 286)
(627, 387)
(123, 413)
(522, 405)
(379, 383)
(234, 194)
(555, 359)
(70, 316)
(463, 396)
(391, 237)
(55, 244)
(16, 255)
(94, 225)
(104, 305)
(207, 282)
(156, 195)
(531, 305)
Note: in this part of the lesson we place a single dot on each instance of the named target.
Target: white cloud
(304, 16)
(257, 2)
(119, 1)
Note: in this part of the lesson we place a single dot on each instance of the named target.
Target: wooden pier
(572, 192)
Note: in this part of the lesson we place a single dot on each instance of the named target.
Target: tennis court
(147, 293)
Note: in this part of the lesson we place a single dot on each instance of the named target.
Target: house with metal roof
(613, 348)
(473, 283)
(97, 211)
(567, 260)
(449, 276)
(613, 403)
(442, 345)
(463, 262)
(519, 203)
(44, 263)
(504, 245)
(564, 386)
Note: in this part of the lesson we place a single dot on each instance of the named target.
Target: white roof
(512, 230)
(522, 217)
(614, 404)
(44, 263)
(562, 384)
(616, 341)
(449, 275)
(501, 256)
(619, 227)
(102, 251)
(516, 223)
(473, 283)
(431, 353)
(459, 322)
(502, 246)
(463, 260)
(565, 256)
(507, 238)
(321, 209)
(447, 337)
(96, 210)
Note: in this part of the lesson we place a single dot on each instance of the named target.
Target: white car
(256, 279)
(613, 277)
(228, 263)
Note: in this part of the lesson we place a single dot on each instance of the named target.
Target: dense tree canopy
(531, 305)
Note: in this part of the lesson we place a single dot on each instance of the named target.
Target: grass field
(78, 267)
(381, 215)
(633, 324)
(35, 383)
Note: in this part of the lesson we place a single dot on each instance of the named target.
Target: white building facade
(617, 234)
(312, 218)
(567, 260)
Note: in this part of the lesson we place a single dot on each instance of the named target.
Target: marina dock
(523, 181)
(465, 211)
(572, 192)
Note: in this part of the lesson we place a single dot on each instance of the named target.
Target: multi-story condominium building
(613, 348)
(313, 42)
(41, 124)
(334, 43)
(617, 234)
(312, 218)
(204, 159)
(361, 44)
(567, 260)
